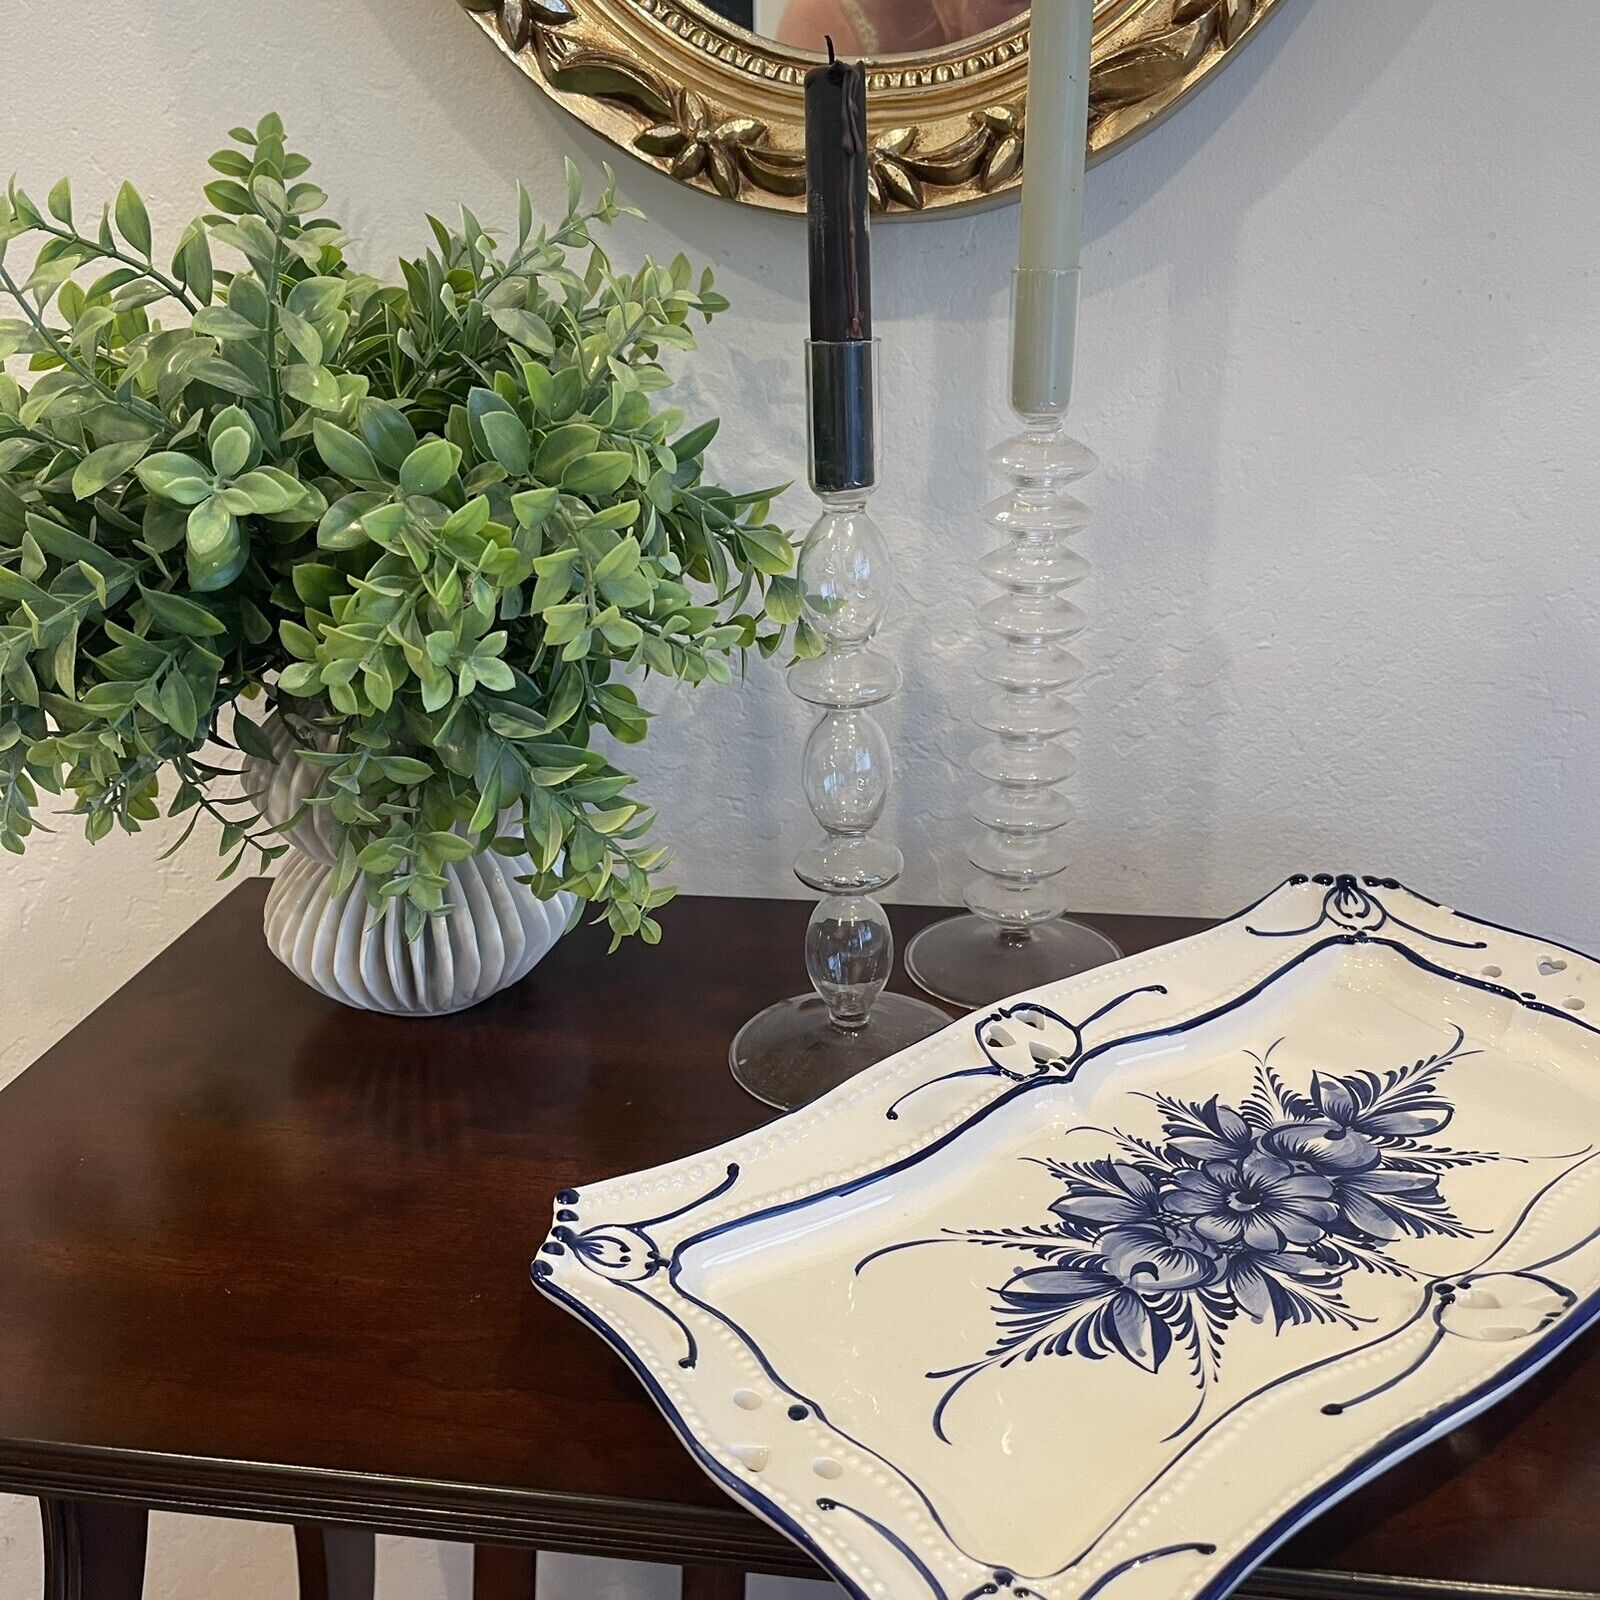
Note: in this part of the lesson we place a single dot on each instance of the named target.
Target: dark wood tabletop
(265, 1256)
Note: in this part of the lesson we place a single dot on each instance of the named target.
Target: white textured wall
(1339, 358)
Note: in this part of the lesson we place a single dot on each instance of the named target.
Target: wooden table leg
(713, 1583)
(501, 1572)
(335, 1563)
(93, 1550)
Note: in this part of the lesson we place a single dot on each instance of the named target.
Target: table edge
(593, 1525)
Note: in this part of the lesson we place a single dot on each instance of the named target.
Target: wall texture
(1339, 359)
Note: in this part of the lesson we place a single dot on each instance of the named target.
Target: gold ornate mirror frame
(720, 109)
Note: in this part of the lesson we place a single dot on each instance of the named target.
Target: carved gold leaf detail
(715, 108)
(1003, 164)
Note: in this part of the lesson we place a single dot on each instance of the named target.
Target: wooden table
(263, 1256)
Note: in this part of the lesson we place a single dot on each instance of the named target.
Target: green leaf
(692, 445)
(448, 846)
(249, 299)
(316, 583)
(344, 453)
(228, 195)
(315, 298)
(387, 433)
(224, 375)
(133, 221)
(251, 738)
(785, 599)
(555, 579)
(311, 386)
(616, 517)
(386, 524)
(532, 506)
(70, 546)
(564, 623)
(525, 327)
(298, 640)
(617, 562)
(59, 201)
(64, 662)
(230, 450)
(267, 491)
(192, 263)
(508, 441)
(470, 520)
(621, 632)
(567, 698)
(404, 769)
(180, 616)
(178, 708)
(488, 806)
(216, 569)
(223, 322)
(233, 417)
(598, 474)
(300, 678)
(561, 447)
(96, 580)
(104, 466)
(341, 524)
(493, 674)
(517, 725)
(210, 527)
(768, 549)
(429, 467)
(305, 340)
(176, 477)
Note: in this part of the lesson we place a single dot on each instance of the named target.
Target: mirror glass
(868, 27)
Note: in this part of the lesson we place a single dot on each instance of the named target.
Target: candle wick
(833, 55)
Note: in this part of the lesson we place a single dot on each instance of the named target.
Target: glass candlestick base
(971, 961)
(789, 1054)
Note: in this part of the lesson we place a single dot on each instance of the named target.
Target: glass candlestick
(1014, 936)
(800, 1048)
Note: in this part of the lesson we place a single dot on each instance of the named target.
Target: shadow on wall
(1177, 485)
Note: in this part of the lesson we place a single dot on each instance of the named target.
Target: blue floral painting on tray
(1262, 1210)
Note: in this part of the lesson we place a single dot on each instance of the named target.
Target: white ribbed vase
(495, 932)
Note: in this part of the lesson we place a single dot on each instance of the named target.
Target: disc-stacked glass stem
(1026, 663)
(794, 1051)
(1016, 937)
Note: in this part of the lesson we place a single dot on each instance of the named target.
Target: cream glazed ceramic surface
(495, 931)
(1109, 1288)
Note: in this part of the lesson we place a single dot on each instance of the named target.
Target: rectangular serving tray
(1113, 1286)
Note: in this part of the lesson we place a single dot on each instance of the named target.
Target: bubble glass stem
(800, 1048)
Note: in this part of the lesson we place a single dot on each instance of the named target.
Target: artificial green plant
(441, 525)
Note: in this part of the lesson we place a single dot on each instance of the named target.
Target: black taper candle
(836, 200)
(840, 369)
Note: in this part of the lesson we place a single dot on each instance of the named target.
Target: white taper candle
(1045, 327)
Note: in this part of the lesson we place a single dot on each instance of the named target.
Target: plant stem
(147, 268)
(270, 337)
(48, 334)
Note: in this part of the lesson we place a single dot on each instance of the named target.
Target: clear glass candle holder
(800, 1048)
(1014, 935)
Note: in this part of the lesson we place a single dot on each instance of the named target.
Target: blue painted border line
(739, 1488)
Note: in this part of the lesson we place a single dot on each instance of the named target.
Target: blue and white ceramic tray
(1107, 1290)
